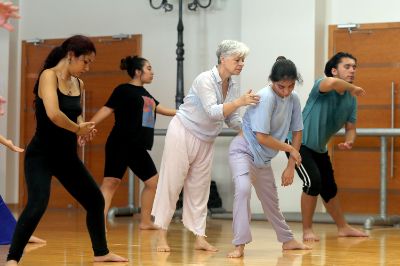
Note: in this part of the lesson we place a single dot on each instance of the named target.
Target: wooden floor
(68, 244)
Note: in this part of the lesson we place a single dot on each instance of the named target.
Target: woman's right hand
(85, 128)
(249, 98)
(13, 147)
(83, 139)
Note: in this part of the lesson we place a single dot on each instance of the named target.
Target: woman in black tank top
(53, 149)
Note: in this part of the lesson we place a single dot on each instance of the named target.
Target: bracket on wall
(121, 36)
(349, 26)
(35, 41)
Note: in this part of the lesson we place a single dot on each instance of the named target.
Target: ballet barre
(381, 219)
(383, 133)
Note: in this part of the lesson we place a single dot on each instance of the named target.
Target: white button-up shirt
(202, 109)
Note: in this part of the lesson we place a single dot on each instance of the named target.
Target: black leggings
(72, 174)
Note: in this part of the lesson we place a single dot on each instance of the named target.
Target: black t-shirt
(135, 115)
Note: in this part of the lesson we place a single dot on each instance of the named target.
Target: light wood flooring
(68, 244)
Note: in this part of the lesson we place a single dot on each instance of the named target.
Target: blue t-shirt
(324, 115)
(274, 116)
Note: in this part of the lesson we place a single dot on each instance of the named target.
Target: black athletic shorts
(316, 172)
(120, 155)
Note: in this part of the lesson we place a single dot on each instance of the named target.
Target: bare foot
(148, 226)
(162, 244)
(350, 241)
(309, 235)
(33, 246)
(348, 231)
(202, 244)
(161, 258)
(238, 252)
(294, 244)
(110, 257)
(11, 263)
(37, 240)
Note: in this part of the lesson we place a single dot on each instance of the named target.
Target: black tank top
(50, 136)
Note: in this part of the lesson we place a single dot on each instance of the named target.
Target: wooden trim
(386, 25)
(21, 190)
(331, 29)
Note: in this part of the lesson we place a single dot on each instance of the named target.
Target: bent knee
(243, 191)
(151, 183)
(313, 190)
(111, 183)
(329, 193)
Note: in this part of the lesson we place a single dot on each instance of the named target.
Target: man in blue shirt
(331, 105)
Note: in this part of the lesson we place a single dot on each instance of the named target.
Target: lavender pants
(245, 175)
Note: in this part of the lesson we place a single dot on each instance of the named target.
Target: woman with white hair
(214, 98)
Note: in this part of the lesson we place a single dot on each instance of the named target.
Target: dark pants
(317, 174)
(40, 166)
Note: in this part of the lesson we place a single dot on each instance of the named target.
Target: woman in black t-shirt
(132, 135)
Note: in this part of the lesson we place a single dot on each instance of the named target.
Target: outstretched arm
(340, 85)
(9, 144)
(249, 98)
(165, 111)
(205, 90)
(102, 114)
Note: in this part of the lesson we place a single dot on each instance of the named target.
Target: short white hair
(231, 47)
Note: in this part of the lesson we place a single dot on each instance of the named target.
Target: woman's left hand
(287, 176)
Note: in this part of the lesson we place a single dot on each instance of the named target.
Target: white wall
(362, 11)
(4, 54)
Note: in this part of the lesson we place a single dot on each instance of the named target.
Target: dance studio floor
(68, 244)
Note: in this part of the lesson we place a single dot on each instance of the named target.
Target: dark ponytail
(131, 64)
(284, 69)
(51, 61)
